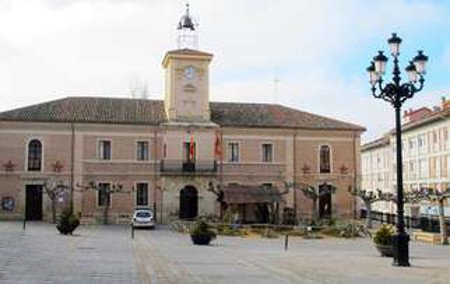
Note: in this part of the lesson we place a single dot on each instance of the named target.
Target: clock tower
(187, 77)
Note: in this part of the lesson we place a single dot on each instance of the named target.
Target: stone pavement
(239, 260)
(107, 254)
(40, 255)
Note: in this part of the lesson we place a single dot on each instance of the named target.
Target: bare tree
(54, 190)
(105, 193)
(138, 88)
(436, 196)
(311, 192)
(369, 198)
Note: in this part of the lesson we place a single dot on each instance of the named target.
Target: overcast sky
(317, 50)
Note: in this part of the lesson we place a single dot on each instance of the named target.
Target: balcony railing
(179, 166)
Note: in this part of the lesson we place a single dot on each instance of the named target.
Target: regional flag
(218, 146)
(191, 147)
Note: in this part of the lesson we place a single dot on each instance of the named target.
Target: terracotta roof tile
(151, 112)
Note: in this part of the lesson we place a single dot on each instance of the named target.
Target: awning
(241, 194)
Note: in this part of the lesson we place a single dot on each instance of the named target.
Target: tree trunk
(442, 223)
(315, 211)
(369, 215)
(54, 210)
(106, 209)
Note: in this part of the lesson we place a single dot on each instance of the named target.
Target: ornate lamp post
(396, 93)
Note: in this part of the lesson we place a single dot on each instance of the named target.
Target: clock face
(189, 72)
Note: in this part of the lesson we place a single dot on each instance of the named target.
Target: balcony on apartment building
(185, 167)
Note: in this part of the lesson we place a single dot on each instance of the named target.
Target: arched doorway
(325, 192)
(188, 202)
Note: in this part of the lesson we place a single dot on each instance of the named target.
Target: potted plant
(383, 240)
(67, 223)
(202, 233)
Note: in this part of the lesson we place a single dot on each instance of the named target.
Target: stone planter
(201, 239)
(385, 250)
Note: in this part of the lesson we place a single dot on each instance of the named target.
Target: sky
(316, 51)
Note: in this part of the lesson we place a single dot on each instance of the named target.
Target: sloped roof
(243, 194)
(151, 112)
(187, 51)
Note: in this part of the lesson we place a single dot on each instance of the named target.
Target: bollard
(286, 242)
(132, 232)
(24, 223)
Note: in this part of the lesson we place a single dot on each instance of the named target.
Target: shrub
(227, 230)
(269, 233)
(384, 235)
(67, 223)
(312, 236)
(202, 229)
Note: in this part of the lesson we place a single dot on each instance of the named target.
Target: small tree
(369, 198)
(54, 189)
(105, 193)
(311, 192)
(436, 196)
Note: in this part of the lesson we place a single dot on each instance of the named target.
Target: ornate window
(325, 159)
(34, 155)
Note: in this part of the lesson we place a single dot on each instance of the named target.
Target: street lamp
(396, 94)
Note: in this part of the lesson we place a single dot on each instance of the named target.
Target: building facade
(173, 156)
(426, 154)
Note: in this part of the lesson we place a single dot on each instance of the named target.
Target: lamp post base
(401, 251)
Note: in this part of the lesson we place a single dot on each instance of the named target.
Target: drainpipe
(155, 171)
(295, 176)
(72, 165)
(355, 177)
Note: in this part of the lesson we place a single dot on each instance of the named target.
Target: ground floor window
(104, 194)
(142, 194)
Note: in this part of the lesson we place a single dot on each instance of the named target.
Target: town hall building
(183, 156)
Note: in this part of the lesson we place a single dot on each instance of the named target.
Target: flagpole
(221, 170)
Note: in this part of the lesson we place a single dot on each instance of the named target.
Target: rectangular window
(142, 151)
(267, 153)
(104, 149)
(233, 152)
(103, 194)
(142, 194)
(423, 168)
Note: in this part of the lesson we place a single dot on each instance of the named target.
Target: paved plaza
(107, 254)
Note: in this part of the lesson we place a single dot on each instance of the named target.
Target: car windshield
(144, 214)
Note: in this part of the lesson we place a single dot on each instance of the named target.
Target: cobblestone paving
(238, 260)
(40, 255)
(107, 254)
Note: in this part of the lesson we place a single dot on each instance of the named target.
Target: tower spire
(187, 34)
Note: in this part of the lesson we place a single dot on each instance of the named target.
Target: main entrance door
(188, 202)
(325, 192)
(33, 204)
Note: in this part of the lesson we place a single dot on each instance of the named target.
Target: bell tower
(187, 76)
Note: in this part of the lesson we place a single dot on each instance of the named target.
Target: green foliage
(227, 230)
(331, 231)
(67, 222)
(384, 235)
(269, 234)
(201, 228)
(312, 236)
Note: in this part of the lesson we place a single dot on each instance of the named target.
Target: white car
(143, 218)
